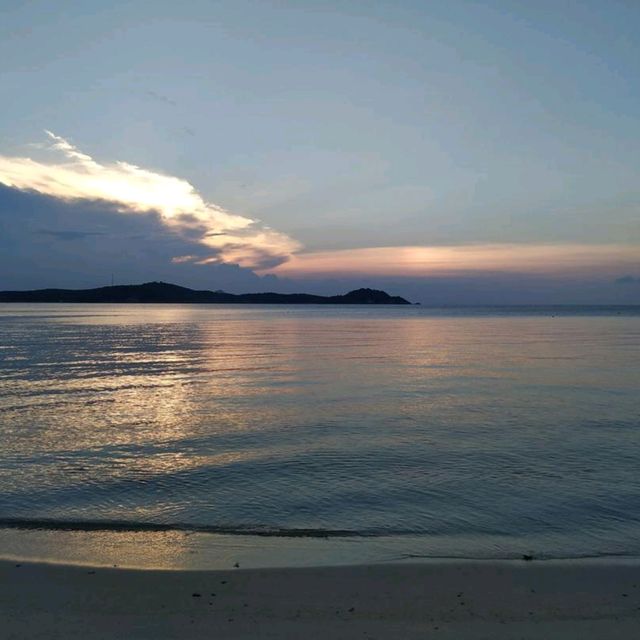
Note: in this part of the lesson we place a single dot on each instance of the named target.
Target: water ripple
(475, 428)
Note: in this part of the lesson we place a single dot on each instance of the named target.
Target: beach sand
(445, 599)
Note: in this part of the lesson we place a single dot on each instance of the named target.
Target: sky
(454, 152)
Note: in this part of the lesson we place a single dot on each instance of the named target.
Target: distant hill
(159, 292)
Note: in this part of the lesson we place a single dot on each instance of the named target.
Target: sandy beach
(442, 599)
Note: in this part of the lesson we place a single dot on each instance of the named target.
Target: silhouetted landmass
(159, 292)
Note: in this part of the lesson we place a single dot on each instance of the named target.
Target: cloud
(50, 242)
(420, 261)
(160, 97)
(46, 241)
(69, 234)
(226, 237)
(627, 280)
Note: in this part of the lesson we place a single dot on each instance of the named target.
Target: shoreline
(194, 550)
(439, 599)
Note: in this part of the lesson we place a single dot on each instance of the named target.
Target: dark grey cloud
(69, 234)
(627, 280)
(47, 241)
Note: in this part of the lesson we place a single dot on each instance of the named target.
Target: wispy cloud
(160, 97)
(69, 234)
(74, 175)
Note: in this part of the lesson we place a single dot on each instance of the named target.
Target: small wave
(587, 555)
(124, 525)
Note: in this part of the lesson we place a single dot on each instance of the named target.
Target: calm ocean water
(475, 432)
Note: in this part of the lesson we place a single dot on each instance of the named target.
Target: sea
(178, 435)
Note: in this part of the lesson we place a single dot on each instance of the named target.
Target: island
(163, 292)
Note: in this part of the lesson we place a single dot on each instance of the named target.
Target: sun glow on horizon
(424, 261)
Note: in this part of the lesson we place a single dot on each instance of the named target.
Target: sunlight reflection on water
(385, 421)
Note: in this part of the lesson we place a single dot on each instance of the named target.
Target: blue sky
(337, 127)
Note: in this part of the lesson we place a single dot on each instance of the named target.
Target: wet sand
(447, 599)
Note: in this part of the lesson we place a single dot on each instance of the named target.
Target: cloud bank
(222, 236)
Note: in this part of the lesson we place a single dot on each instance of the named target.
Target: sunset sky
(448, 151)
